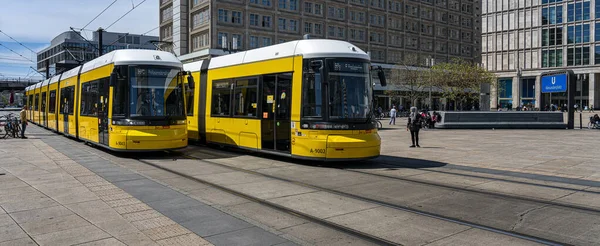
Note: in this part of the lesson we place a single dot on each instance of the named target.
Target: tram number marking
(120, 143)
(317, 151)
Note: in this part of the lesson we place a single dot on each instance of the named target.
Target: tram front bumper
(157, 139)
(361, 146)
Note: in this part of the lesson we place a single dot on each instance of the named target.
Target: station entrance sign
(554, 83)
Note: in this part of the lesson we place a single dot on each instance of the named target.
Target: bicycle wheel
(17, 131)
(379, 125)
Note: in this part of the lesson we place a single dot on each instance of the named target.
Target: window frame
(212, 99)
(235, 87)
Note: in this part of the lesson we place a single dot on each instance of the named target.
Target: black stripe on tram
(76, 102)
(202, 100)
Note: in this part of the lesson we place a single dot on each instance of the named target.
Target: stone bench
(502, 120)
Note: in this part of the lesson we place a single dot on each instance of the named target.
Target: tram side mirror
(381, 76)
(190, 80)
(113, 78)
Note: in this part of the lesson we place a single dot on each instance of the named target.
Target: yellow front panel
(147, 137)
(328, 144)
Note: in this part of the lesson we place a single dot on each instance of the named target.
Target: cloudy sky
(35, 22)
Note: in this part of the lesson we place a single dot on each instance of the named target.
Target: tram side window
(52, 103)
(189, 97)
(89, 99)
(245, 97)
(312, 96)
(66, 101)
(37, 102)
(119, 99)
(30, 102)
(221, 98)
(43, 101)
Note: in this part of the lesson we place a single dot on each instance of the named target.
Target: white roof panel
(38, 85)
(133, 57)
(193, 66)
(70, 73)
(308, 48)
(46, 82)
(55, 79)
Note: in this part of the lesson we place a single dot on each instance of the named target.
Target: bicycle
(592, 124)
(11, 126)
(378, 124)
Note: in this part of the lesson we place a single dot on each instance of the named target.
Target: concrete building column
(494, 96)
(594, 90)
(516, 98)
(538, 92)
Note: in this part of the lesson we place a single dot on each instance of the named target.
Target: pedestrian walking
(393, 116)
(414, 125)
(23, 116)
(591, 108)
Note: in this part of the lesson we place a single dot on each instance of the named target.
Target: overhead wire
(125, 14)
(99, 14)
(16, 53)
(150, 30)
(18, 42)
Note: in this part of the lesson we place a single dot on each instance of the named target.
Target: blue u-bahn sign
(554, 83)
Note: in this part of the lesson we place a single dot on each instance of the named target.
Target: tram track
(478, 191)
(351, 231)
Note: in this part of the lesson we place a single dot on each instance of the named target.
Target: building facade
(69, 49)
(522, 39)
(392, 31)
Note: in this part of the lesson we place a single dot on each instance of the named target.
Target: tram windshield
(155, 91)
(350, 91)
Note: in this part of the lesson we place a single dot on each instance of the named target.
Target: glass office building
(521, 39)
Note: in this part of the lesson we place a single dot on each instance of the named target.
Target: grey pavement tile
(187, 239)
(117, 227)
(94, 211)
(10, 232)
(474, 237)
(197, 213)
(40, 214)
(288, 243)
(212, 196)
(18, 242)
(29, 203)
(121, 177)
(270, 189)
(54, 224)
(159, 174)
(71, 236)
(5, 219)
(71, 195)
(232, 178)
(322, 204)
(175, 203)
(103, 242)
(184, 184)
(218, 225)
(267, 216)
(136, 239)
(314, 234)
(250, 236)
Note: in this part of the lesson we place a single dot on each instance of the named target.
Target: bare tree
(459, 80)
(410, 81)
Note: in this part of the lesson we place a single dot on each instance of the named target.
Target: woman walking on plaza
(393, 115)
(414, 125)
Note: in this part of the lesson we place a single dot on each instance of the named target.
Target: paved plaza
(541, 183)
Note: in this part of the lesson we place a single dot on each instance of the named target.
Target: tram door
(276, 112)
(43, 110)
(103, 111)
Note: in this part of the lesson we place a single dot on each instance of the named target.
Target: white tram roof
(71, 73)
(133, 57)
(46, 82)
(307, 48)
(54, 79)
(38, 85)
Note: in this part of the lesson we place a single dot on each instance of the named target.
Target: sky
(34, 23)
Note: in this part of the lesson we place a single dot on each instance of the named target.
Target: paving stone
(214, 196)
(216, 225)
(323, 205)
(29, 203)
(100, 183)
(118, 196)
(12, 231)
(102, 188)
(267, 216)
(250, 236)
(18, 242)
(122, 202)
(136, 239)
(164, 232)
(132, 208)
(142, 215)
(53, 224)
(94, 211)
(315, 234)
(184, 240)
(90, 179)
(175, 203)
(473, 237)
(153, 223)
(71, 236)
(104, 242)
(40, 214)
(117, 227)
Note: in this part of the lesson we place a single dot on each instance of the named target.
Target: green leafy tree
(410, 81)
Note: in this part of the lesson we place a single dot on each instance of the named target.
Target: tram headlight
(180, 122)
(325, 126)
(128, 122)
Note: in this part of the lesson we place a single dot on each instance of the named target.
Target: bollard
(580, 121)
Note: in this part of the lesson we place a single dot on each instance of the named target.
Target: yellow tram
(308, 99)
(126, 100)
